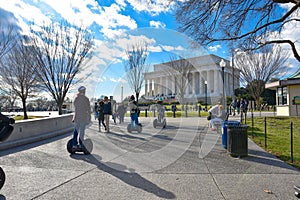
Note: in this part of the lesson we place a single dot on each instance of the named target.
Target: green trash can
(237, 140)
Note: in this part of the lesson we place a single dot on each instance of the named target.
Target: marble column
(150, 88)
(146, 87)
(217, 82)
(210, 82)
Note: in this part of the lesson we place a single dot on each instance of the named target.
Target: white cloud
(75, 12)
(119, 80)
(290, 31)
(113, 80)
(155, 48)
(25, 11)
(167, 48)
(214, 48)
(121, 3)
(110, 19)
(153, 7)
(157, 24)
(84, 12)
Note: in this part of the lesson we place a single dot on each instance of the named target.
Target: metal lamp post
(222, 65)
(205, 83)
(122, 93)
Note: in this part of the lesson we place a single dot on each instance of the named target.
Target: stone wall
(32, 130)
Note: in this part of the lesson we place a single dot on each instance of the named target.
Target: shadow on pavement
(131, 178)
(124, 136)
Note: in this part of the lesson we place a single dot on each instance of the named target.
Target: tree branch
(292, 44)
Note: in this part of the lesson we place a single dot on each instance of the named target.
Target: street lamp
(222, 65)
(205, 83)
(122, 93)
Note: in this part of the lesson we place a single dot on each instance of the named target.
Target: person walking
(233, 105)
(101, 116)
(96, 111)
(107, 112)
(82, 116)
(238, 106)
(121, 112)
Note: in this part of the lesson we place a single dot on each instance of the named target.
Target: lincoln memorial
(204, 79)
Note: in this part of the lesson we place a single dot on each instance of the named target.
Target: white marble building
(206, 72)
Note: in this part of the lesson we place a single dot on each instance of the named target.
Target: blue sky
(115, 24)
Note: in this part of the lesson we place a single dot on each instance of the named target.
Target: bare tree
(135, 66)
(180, 70)
(61, 51)
(7, 38)
(7, 99)
(19, 71)
(259, 67)
(215, 21)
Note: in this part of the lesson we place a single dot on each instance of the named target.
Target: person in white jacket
(82, 116)
(219, 118)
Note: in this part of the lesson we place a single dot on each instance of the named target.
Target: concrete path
(183, 161)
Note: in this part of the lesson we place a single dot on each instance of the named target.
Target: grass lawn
(278, 137)
(21, 117)
(178, 114)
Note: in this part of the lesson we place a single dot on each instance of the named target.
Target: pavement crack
(61, 184)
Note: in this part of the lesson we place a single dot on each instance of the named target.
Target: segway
(161, 120)
(2, 177)
(5, 131)
(133, 127)
(86, 146)
(297, 191)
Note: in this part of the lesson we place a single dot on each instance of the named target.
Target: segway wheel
(155, 123)
(129, 128)
(2, 177)
(87, 146)
(297, 192)
(139, 129)
(69, 146)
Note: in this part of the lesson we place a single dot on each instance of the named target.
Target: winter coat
(100, 112)
(133, 107)
(82, 109)
(107, 108)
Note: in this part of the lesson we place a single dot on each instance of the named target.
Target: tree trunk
(60, 104)
(137, 97)
(24, 108)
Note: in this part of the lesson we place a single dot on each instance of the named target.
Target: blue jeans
(134, 118)
(81, 128)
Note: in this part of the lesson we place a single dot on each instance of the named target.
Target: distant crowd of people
(239, 105)
(102, 111)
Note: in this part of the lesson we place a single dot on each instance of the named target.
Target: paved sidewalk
(184, 161)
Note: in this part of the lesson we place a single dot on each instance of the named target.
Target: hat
(81, 89)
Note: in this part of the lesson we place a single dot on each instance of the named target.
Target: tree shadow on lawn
(267, 159)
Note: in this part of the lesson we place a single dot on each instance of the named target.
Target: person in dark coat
(101, 115)
(107, 112)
